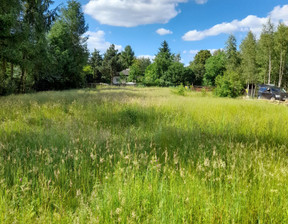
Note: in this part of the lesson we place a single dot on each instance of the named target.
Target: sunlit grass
(142, 155)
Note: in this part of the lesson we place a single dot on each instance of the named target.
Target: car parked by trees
(272, 92)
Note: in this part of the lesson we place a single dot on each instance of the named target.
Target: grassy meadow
(142, 155)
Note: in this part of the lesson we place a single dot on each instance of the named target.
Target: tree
(198, 65)
(9, 29)
(151, 78)
(281, 46)
(249, 66)
(137, 69)
(228, 85)
(163, 59)
(95, 62)
(36, 21)
(266, 51)
(214, 66)
(233, 58)
(68, 48)
(127, 57)
(111, 63)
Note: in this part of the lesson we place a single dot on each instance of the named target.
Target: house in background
(121, 78)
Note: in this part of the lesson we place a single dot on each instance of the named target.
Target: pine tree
(68, 48)
(266, 50)
(249, 66)
(95, 62)
(281, 47)
(127, 57)
(233, 59)
(111, 63)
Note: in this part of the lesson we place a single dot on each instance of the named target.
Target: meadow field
(142, 155)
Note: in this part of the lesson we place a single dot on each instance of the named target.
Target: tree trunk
(280, 70)
(11, 71)
(22, 81)
(270, 69)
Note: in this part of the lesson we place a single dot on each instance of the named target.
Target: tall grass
(142, 155)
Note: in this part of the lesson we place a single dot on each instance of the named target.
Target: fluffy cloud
(130, 13)
(97, 40)
(251, 22)
(151, 57)
(194, 52)
(163, 31)
(201, 1)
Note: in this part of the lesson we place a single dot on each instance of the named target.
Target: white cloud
(151, 57)
(163, 31)
(130, 13)
(251, 22)
(97, 40)
(200, 2)
(193, 51)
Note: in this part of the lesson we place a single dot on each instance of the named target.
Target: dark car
(271, 92)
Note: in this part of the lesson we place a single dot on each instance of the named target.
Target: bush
(228, 85)
(180, 90)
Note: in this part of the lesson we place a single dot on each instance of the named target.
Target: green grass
(142, 155)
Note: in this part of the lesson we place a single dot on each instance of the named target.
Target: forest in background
(46, 49)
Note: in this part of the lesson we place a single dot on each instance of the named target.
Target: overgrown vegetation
(141, 155)
(46, 49)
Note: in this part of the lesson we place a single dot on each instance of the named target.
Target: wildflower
(118, 211)
(207, 162)
(133, 214)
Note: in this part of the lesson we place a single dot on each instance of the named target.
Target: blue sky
(187, 25)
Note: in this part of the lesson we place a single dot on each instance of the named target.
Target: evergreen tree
(163, 60)
(266, 51)
(68, 47)
(111, 63)
(281, 48)
(127, 57)
(233, 58)
(249, 66)
(9, 33)
(95, 62)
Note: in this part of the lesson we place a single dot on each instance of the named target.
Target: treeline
(166, 69)
(258, 61)
(43, 49)
(229, 70)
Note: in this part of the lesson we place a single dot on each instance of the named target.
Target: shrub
(228, 85)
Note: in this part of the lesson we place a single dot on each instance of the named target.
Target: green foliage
(228, 85)
(281, 48)
(137, 69)
(265, 52)
(68, 48)
(127, 57)
(198, 65)
(95, 61)
(111, 63)
(179, 90)
(232, 55)
(248, 55)
(214, 66)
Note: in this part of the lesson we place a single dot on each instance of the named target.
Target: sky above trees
(187, 25)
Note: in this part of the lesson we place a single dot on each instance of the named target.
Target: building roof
(125, 72)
